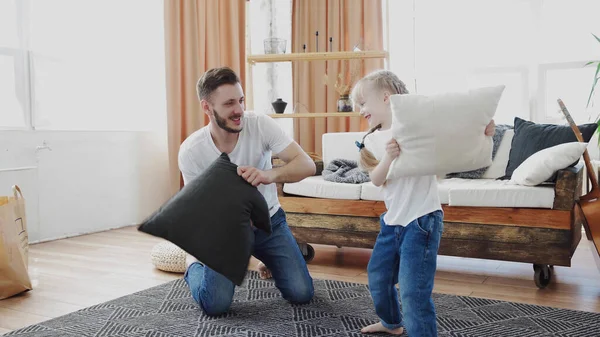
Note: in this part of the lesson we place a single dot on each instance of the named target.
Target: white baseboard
(79, 234)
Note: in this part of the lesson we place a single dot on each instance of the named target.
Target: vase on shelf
(279, 105)
(344, 104)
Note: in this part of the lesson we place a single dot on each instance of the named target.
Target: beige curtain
(348, 22)
(199, 35)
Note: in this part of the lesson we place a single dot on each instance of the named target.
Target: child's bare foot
(378, 327)
(264, 271)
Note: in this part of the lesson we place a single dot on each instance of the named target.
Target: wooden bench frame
(543, 237)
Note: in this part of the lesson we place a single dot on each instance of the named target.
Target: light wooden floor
(74, 273)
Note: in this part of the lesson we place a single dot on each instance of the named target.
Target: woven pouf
(168, 257)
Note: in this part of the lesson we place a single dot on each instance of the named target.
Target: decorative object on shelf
(344, 103)
(359, 45)
(343, 84)
(330, 44)
(279, 105)
(317, 40)
(345, 79)
(275, 45)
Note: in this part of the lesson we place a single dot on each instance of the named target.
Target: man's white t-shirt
(407, 198)
(260, 137)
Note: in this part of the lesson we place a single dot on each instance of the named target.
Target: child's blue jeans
(407, 256)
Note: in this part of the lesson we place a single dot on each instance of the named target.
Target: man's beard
(222, 123)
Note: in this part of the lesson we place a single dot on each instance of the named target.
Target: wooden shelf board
(341, 55)
(316, 115)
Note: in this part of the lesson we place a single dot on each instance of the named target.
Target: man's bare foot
(264, 271)
(378, 327)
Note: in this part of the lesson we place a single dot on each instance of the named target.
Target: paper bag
(14, 245)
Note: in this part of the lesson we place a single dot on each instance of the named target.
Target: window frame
(33, 105)
(23, 70)
(534, 74)
(543, 70)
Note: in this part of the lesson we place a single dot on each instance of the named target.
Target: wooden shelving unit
(316, 115)
(341, 55)
(318, 56)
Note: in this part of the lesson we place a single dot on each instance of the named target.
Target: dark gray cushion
(210, 219)
(530, 138)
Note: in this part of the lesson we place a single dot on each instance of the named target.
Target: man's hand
(490, 129)
(255, 176)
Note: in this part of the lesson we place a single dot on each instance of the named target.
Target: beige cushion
(317, 187)
(167, 256)
(540, 166)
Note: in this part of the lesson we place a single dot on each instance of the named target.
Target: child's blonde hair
(380, 80)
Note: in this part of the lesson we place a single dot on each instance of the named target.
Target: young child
(406, 248)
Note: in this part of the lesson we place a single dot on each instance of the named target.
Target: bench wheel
(542, 275)
(308, 252)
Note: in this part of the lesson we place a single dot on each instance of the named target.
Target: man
(249, 140)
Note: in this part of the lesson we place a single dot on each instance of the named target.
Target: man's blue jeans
(407, 256)
(279, 252)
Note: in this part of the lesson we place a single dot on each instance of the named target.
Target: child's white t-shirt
(407, 198)
(260, 137)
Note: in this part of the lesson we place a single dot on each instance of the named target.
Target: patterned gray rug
(338, 309)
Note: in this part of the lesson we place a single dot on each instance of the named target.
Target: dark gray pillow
(530, 138)
(210, 219)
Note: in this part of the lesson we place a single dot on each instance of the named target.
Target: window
(13, 96)
(537, 48)
(270, 19)
(82, 65)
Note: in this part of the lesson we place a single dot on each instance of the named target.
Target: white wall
(85, 181)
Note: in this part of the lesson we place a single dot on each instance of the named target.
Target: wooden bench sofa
(544, 236)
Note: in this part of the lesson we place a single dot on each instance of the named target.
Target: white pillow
(443, 133)
(498, 167)
(541, 165)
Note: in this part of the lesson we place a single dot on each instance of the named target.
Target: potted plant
(343, 85)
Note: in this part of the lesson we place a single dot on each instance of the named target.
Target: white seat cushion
(317, 187)
(498, 193)
(446, 185)
(480, 193)
(373, 193)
